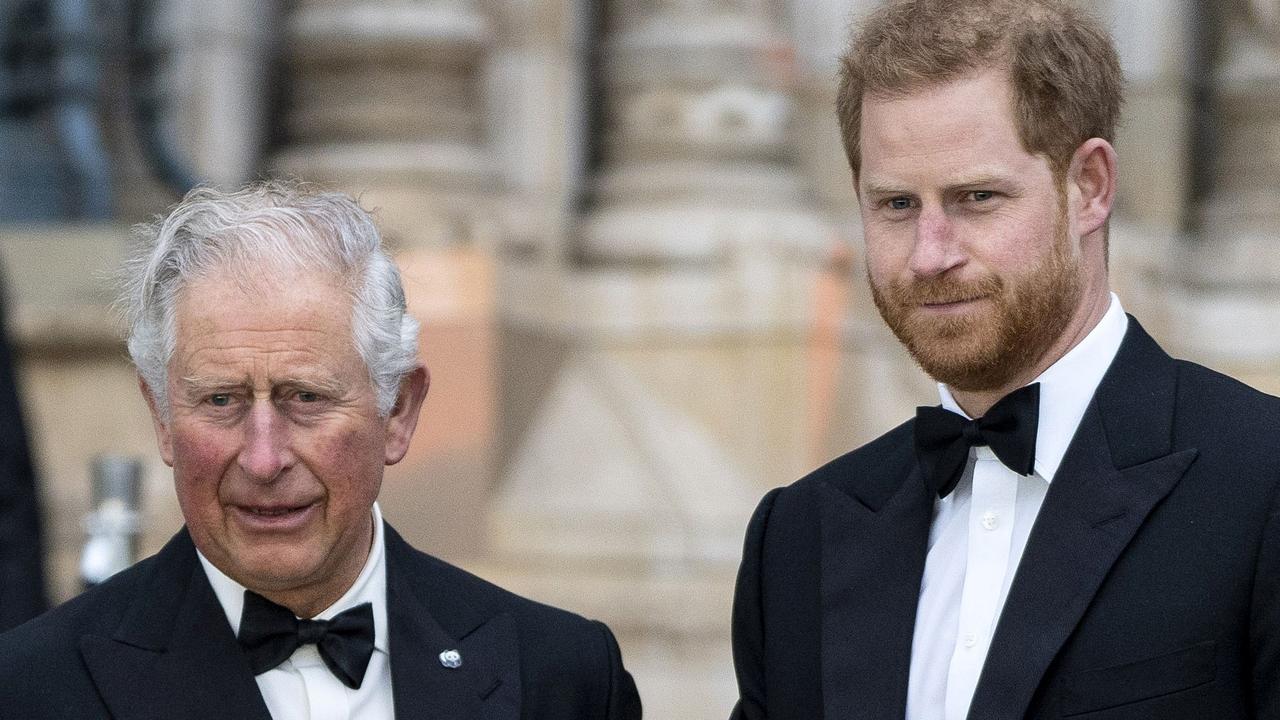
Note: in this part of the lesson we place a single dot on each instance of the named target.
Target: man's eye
(306, 397)
(220, 400)
(981, 195)
(899, 203)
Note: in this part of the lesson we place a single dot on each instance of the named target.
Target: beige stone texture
(663, 380)
(1154, 40)
(215, 83)
(386, 101)
(435, 495)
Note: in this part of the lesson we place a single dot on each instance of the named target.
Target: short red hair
(1063, 66)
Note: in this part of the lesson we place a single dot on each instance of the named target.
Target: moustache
(942, 290)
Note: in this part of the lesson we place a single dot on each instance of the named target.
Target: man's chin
(961, 349)
(946, 341)
(962, 361)
(270, 568)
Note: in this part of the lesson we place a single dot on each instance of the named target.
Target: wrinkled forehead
(266, 330)
(255, 297)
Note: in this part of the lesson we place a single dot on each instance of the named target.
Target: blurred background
(628, 229)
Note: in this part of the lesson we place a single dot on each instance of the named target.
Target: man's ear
(1091, 185)
(164, 438)
(404, 416)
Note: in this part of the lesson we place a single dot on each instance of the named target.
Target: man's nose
(265, 453)
(936, 249)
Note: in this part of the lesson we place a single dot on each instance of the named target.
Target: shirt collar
(370, 587)
(1067, 387)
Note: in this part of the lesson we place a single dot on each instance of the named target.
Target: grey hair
(280, 225)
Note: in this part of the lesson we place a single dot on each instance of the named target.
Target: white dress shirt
(302, 687)
(980, 530)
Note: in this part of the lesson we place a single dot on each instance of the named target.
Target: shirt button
(990, 520)
(969, 640)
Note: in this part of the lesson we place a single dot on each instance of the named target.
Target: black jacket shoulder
(873, 471)
(98, 610)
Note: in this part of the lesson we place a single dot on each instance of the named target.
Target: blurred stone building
(628, 229)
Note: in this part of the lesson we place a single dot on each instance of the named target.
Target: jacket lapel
(1119, 466)
(427, 620)
(873, 555)
(173, 654)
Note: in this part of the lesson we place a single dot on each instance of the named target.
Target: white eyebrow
(205, 383)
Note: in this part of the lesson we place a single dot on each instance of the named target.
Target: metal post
(113, 526)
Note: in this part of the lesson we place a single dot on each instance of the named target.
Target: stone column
(1157, 48)
(207, 76)
(1158, 42)
(219, 70)
(657, 381)
(1245, 200)
(535, 86)
(386, 100)
(822, 29)
(698, 149)
(1227, 284)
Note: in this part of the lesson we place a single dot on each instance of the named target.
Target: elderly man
(269, 331)
(1086, 527)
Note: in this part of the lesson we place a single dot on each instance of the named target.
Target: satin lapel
(174, 654)
(872, 563)
(1119, 467)
(486, 686)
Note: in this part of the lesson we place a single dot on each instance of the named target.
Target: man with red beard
(1085, 527)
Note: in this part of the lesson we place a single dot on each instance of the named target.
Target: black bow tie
(269, 633)
(943, 438)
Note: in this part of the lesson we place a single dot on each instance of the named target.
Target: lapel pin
(451, 659)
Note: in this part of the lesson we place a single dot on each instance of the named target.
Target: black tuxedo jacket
(153, 642)
(1149, 588)
(21, 567)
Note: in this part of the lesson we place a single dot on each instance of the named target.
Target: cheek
(1030, 235)
(882, 267)
(200, 459)
(351, 454)
(200, 450)
(888, 248)
(1023, 259)
(342, 445)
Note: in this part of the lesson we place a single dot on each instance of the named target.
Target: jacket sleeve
(1264, 625)
(22, 594)
(748, 619)
(624, 700)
